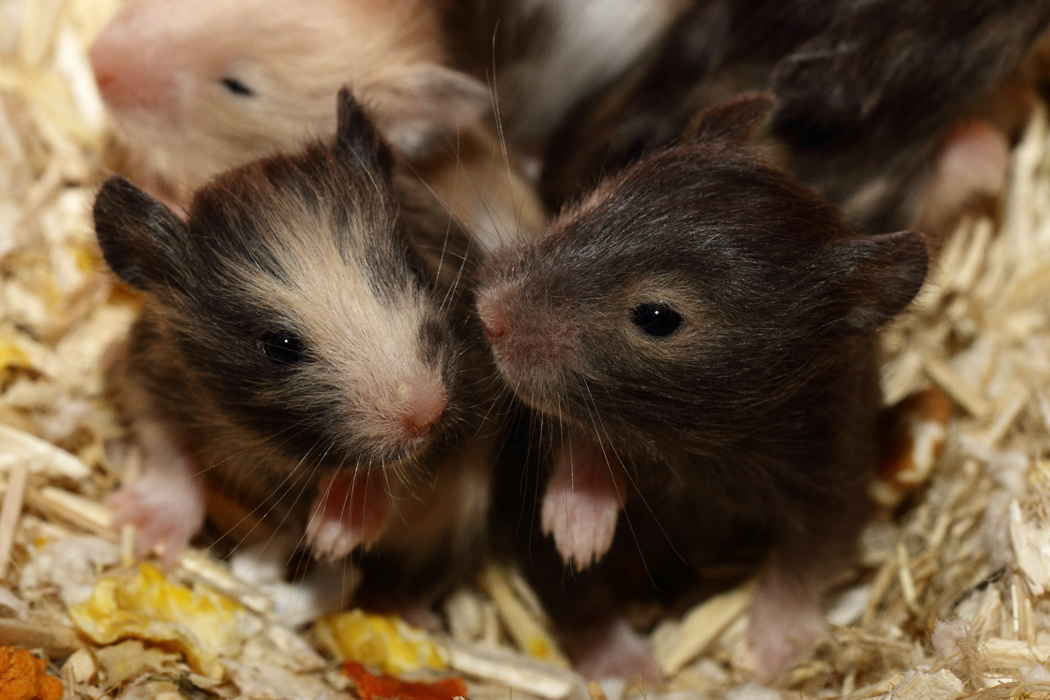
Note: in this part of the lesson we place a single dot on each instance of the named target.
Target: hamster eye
(281, 348)
(657, 320)
(237, 87)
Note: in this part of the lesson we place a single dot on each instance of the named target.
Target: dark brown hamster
(867, 107)
(700, 336)
(295, 348)
(881, 106)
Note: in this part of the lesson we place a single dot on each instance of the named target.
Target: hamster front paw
(165, 506)
(582, 504)
(350, 511)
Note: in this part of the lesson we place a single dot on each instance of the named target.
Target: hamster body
(197, 87)
(868, 117)
(294, 348)
(877, 102)
(542, 57)
(701, 331)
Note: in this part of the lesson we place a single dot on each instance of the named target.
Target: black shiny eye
(281, 348)
(237, 87)
(657, 320)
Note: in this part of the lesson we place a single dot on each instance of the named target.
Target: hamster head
(200, 86)
(690, 298)
(295, 306)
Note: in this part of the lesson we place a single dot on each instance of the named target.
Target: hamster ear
(357, 142)
(882, 274)
(138, 235)
(735, 120)
(424, 105)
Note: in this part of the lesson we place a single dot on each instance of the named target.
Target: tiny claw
(350, 511)
(582, 504)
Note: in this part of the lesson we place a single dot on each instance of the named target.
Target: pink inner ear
(582, 503)
(351, 511)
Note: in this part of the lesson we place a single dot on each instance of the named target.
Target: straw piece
(676, 647)
(10, 512)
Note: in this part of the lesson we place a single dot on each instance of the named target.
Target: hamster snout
(529, 346)
(423, 407)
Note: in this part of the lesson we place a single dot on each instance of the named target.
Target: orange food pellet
(373, 687)
(22, 677)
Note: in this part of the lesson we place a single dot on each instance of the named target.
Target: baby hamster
(196, 87)
(896, 112)
(701, 333)
(866, 114)
(295, 349)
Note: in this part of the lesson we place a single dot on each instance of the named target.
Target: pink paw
(614, 650)
(785, 619)
(582, 504)
(351, 511)
(166, 509)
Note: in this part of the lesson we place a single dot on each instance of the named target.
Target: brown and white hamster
(295, 350)
(699, 335)
(196, 87)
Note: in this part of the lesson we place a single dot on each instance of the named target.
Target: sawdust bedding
(949, 598)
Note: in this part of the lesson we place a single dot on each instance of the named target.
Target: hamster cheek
(167, 503)
(582, 503)
(351, 511)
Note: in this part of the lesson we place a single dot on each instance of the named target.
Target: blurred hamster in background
(295, 352)
(196, 87)
(901, 113)
(543, 57)
(699, 338)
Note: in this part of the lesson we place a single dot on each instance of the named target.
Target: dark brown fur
(866, 92)
(759, 411)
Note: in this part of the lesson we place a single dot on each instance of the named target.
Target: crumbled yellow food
(23, 677)
(385, 642)
(12, 356)
(145, 605)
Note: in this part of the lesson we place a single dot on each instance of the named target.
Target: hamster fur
(542, 57)
(295, 350)
(699, 336)
(898, 112)
(196, 87)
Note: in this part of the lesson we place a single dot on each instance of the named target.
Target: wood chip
(516, 671)
(958, 388)
(528, 632)
(10, 512)
(679, 645)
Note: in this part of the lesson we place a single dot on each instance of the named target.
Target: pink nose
(424, 409)
(493, 318)
(129, 81)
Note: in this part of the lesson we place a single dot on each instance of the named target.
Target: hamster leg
(582, 503)
(351, 511)
(785, 618)
(167, 503)
(612, 649)
(972, 163)
(786, 615)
